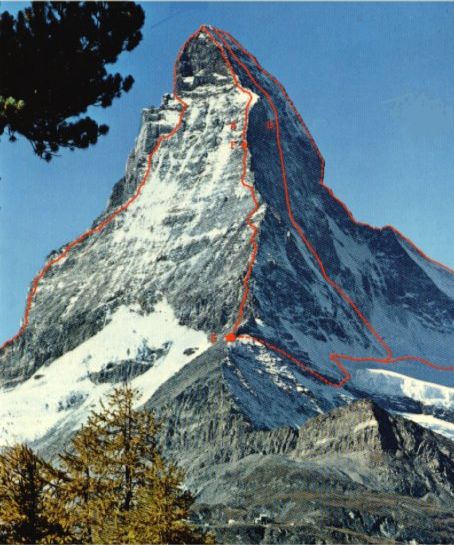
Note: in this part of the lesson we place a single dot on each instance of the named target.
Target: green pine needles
(53, 64)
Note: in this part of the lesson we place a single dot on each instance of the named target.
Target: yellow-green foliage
(113, 485)
(10, 105)
(29, 508)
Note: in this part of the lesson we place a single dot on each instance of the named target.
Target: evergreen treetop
(53, 59)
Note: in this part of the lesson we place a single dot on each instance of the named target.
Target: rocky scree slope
(353, 475)
(203, 426)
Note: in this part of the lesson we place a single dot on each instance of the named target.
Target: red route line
(35, 284)
(232, 336)
(249, 187)
(322, 160)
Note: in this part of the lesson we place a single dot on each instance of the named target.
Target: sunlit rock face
(143, 297)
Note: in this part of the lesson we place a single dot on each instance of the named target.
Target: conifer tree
(163, 510)
(128, 440)
(54, 65)
(120, 486)
(29, 509)
(86, 488)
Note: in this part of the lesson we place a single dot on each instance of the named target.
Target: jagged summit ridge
(200, 64)
(206, 171)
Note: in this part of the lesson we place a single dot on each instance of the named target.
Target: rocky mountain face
(221, 226)
(205, 427)
(355, 474)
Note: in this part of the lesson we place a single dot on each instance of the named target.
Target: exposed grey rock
(197, 254)
(356, 474)
(254, 430)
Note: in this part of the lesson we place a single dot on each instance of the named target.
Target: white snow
(435, 424)
(31, 409)
(281, 386)
(444, 281)
(405, 333)
(372, 423)
(323, 441)
(386, 382)
(354, 254)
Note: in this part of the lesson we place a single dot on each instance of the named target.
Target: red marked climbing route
(322, 160)
(221, 41)
(98, 228)
(231, 337)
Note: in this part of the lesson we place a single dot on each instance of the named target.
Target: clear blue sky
(373, 81)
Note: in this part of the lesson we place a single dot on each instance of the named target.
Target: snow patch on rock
(31, 409)
(384, 382)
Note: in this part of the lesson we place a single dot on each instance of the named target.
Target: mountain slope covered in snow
(222, 226)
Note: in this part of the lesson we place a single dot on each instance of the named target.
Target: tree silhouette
(53, 58)
(112, 485)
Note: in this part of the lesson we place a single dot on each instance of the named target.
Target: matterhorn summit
(227, 282)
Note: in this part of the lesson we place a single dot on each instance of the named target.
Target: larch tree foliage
(163, 510)
(30, 511)
(53, 59)
(85, 490)
(118, 487)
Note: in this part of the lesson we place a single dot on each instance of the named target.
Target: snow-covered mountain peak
(222, 220)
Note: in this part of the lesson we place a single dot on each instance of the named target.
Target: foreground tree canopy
(53, 58)
(29, 510)
(112, 485)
